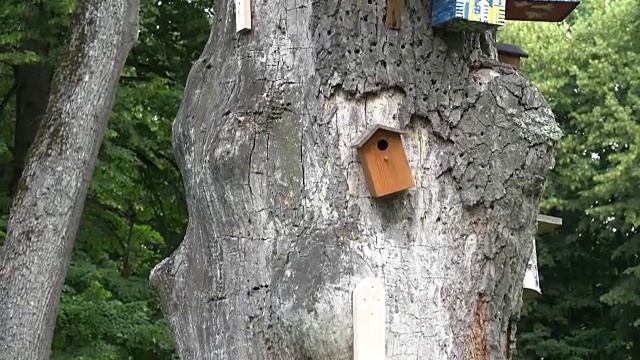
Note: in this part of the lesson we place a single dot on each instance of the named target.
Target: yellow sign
(533, 15)
(547, 7)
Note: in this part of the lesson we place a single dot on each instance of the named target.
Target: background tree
(589, 276)
(281, 226)
(135, 166)
(50, 197)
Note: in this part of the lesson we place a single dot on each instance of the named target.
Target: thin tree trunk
(131, 216)
(49, 200)
(6, 99)
(281, 224)
(33, 83)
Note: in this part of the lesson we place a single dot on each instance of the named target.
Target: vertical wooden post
(369, 320)
(243, 15)
(394, 14)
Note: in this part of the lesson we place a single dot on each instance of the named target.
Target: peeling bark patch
(510, 342)
(479, 342)
(482, 77)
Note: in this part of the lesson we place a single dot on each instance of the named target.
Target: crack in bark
(217, 298)
(249, 172)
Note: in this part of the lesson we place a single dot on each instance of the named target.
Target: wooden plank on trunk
(369, 320)
(394, 14)
(243, 15)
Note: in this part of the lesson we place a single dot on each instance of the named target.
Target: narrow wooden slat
(243, 15)
(369, 320)
(394, 14)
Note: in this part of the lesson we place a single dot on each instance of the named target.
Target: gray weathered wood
(281, 226)
(50, 197)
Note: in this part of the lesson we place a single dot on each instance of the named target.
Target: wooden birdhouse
(384, 160)
(474, 15)
(539, 10)
(510, 54)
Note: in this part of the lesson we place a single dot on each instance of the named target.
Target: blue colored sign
(468, 14)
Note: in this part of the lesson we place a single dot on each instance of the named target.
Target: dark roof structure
(511, 50)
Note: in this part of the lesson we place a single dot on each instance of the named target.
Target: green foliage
(135, 213)
(103, 316)
(588, 69)
(23, 22)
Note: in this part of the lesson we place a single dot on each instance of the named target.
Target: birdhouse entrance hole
(382, 144)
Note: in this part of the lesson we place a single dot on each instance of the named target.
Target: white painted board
(243, 15)
(531, 283)
(369, 320)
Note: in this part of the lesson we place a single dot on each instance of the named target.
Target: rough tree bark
(281, 225)
(48, 204)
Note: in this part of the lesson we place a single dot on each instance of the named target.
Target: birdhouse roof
(511, 50)
(372, 130)
(546, 223)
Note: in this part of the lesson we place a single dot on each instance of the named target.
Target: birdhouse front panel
(536, 10)
(509, 59)
(476, 15)
(385, 165)
(510, 54)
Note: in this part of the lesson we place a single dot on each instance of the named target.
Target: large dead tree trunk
(282, 226)
(49, 200)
